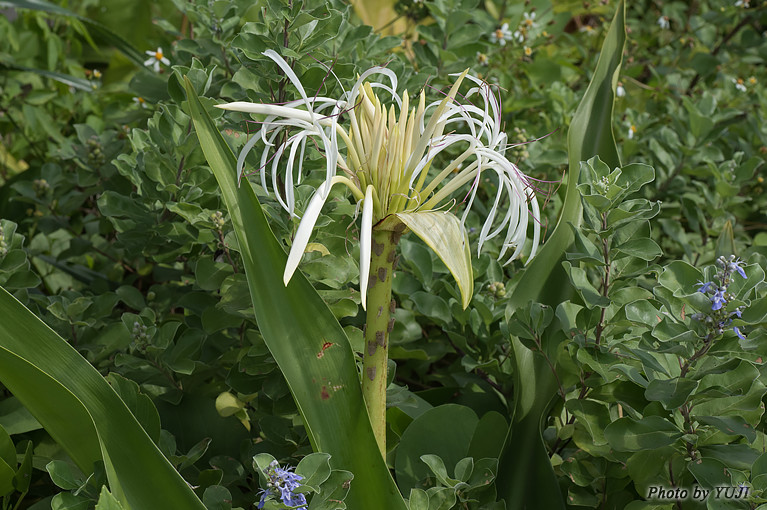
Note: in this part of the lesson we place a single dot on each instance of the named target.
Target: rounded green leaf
(629, 435)
(445, 431)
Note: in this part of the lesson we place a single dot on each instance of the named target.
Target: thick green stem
(379, 323)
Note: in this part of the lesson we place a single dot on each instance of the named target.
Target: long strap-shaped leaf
(526, 479)
(83, 413)
(302, 334)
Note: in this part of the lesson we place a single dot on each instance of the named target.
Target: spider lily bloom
(388, 157)
(385, 157)
(155, 59)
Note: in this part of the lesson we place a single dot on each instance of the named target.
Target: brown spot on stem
(371, 373)
(392, 306)
(378, 248)
(382, 274)
(372, 347)
(324, 395)
(399, 228)
(390, 257)
(380, 338)
(371, 281)
(394, 264)
(364, 329)
(380, 311)
(390, 327)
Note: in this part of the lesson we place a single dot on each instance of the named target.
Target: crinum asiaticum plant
(385, 157)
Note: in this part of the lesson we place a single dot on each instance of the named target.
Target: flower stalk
(379, 323)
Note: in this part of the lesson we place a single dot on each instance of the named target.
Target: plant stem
(378, 325)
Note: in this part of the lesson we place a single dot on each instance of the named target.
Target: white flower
(155, 59)
(740, 84)
(528, 21)
(743, 3)
(140, 101)
(389, 152)
(482, 59)
(501, 35)
(620, 91)
(664, 23)
(632, 131)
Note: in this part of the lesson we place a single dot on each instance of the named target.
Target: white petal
(291, 76)
(303, 233)
(366, 235)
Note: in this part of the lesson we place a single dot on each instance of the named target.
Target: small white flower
(740, 84)
(155, 59)
(620, 91)
(482, 59)
(140, 101)
(528, 21)
(632, 131)
(743, 3)
(664, 23)
(501, 35)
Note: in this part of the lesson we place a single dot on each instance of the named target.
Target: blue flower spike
(281, 484)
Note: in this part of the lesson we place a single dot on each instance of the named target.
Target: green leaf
(680, 278)
(65, 475)
(315, 468)
(710, 473)
(83, 413)
(107, 501)
(217, 497)
(531, 482)
(629, 435)
(296, 325)
(443, 232)
(24, 475)
(672, 393)
(730, 425)
(429, 434)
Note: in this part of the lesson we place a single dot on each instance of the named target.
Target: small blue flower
(261, 503)
(736, 266)
(704, 286)
(718, 300)
(737, 332)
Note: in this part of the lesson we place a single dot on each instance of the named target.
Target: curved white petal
(366, 235)
(304, 232)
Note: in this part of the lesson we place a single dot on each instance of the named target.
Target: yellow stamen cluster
(379, 145)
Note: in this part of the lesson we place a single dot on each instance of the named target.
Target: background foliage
(114, 232)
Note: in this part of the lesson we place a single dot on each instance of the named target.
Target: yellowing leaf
(444, 234)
